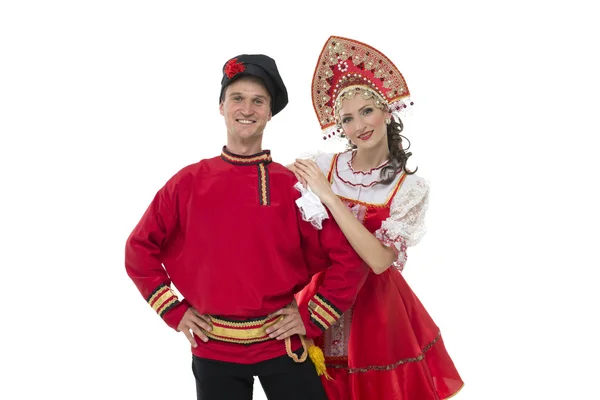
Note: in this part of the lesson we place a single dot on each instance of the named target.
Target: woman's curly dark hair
(398, 154)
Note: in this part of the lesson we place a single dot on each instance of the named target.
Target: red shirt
(227, 233)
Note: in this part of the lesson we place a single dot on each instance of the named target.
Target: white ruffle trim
(310, 206)
(398, 245)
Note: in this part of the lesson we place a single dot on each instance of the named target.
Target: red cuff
(319, 315)
(312, 331)
(174, 315)
(166, 304)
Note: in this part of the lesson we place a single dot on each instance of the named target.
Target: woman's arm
(377, 256)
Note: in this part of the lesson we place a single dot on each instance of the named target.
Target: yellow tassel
(318, 358)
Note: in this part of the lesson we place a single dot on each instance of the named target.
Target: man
(227, 232)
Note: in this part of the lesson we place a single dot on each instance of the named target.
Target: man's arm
(345, 273)
(143, 256)
(143, 262)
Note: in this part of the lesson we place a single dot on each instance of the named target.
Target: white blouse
(406, 224)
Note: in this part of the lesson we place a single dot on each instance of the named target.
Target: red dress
(387, 346)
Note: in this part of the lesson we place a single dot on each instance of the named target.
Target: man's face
(247, 108)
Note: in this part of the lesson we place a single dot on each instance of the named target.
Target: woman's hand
(308, 173)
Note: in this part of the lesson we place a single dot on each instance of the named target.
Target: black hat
(262, 67)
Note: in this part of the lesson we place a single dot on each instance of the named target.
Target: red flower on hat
(233, 67)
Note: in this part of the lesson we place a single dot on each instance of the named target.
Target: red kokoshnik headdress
(347, 67)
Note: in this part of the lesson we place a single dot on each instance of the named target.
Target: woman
(387, 346)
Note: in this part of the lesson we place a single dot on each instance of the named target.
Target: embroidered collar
(259, 158)
(345, 173)
(378, 168)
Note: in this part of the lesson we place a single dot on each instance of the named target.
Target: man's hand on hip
(194, 321)
(290, 325)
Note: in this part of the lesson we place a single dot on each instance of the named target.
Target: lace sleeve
(406, 224)
(399, 247)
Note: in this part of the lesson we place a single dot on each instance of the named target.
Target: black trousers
(281, 379)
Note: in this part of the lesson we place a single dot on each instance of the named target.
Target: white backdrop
(101, 102)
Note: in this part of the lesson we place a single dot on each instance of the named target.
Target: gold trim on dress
(455, 393)
(388, 367)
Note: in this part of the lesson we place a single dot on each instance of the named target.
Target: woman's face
(363, 123)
